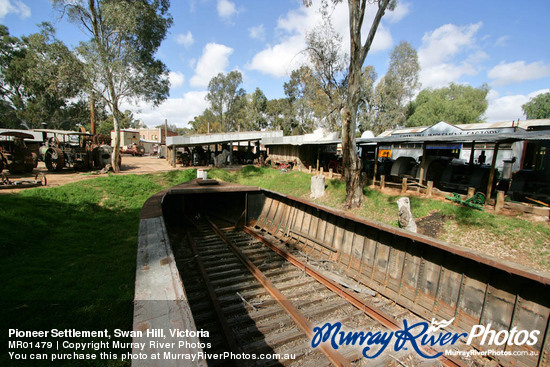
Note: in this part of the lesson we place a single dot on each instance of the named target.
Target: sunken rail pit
(259, 270)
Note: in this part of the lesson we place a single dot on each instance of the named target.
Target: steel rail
(386, 320)
(336, 358)
(228, 334)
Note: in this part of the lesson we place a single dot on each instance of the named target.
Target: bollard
(330, 173)
(382, 182)
(404, 185)
(317, 186)
(309, 169)
(429, 189)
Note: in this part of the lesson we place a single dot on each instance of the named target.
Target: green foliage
(367, 107)
(205, 123)
(256, 109)
(397, 88)
(280, 114)
(299, 110)
(538, 107)
(120, 55)
(225, 98)
(39, 76)
(456, 104)
(327, 82)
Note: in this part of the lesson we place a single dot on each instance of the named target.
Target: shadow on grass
(65, 266)
(252, 171)
(336, 185)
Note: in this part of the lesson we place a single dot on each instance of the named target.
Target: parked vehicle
(72, 149)
(133, 149)
(14, 153)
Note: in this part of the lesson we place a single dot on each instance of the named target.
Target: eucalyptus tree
(367, 106)
(397, 88)
(538, 107)
(119, 56)
(258, 109)
(359, 49)
(328, 71)
(39, 77)
(456, 104)
(205, 123)
(299, 111)
(224, 97)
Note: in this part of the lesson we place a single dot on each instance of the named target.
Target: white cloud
(214, 60)
(185, 39)
(177, 111)
(518, 71)
(281, 59)
(502, 41)
(15, 7)
(176, 79)
(508, 108)
(448, 53)
(287, 54)
(257, 32)
(226, 9)
(401, 10)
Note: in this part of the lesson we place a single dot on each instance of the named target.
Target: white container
(200, 174)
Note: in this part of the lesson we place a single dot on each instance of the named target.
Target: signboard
(443, 146)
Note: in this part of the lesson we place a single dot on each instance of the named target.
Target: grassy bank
(69, 252)
(509, 237)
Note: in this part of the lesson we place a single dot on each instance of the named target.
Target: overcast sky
(503, 43)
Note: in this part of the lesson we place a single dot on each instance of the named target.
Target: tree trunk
(115, 159)
(358, 52)
(350, 161)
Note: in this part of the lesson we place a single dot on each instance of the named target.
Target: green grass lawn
(68, 253)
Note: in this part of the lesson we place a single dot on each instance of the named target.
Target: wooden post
(492, 173)
(375, 165)
(318, 154)
(165, 133)
(321, 172)
(471, 192)
(423, 164)
(330, 173)
(500, 201)
(382, 182)
(429, 189)
(404, 185)
(471, 163)
(310, 169)
(174, 155)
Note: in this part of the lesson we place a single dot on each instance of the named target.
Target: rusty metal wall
(429, 277)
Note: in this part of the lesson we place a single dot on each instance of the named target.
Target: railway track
(258, 294)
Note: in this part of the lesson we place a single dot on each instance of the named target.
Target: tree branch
(383, 4)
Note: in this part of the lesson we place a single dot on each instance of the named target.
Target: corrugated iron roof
(207, 139)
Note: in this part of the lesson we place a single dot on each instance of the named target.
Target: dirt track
(130, 165)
